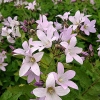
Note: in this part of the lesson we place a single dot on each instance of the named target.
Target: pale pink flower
(64, 16)
(11, 22)
(89, 26)
(43, 23)
(30, 62)
(3, 55)
(58, 26)
(31, 6)
(13, 25)
(71, 51)
(92, 2)
(63, 79)
(27, 48)
(15, 32)
(77, 19)
(2, 64)
(51, 92)
(46, 38)
(6, 32)
(66, 34)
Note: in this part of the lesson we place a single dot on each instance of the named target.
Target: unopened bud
(39, 84)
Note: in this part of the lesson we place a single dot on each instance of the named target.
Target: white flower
(30, 63)
(43, 23)
(27, 48)
(11, 22)
(51, 92)
(6, 32)
(2, 64)
(77, 19)
(46, 38)
(71, 51)
(89, 26)
(2, 55)
(63, 79)
(31, 6)
(64, 16)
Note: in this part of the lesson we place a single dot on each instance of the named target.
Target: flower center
(47, 42)
(50, 90)
(60, 79)
(85, 27)
(32, 60)
(0, 64)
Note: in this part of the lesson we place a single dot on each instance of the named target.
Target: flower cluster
(50, 34)
(58, 38)
(11, 29)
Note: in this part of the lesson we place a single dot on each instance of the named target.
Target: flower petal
(24, 68)
(39, 92)
(3, 68)
(31, 77)
(73, 41)
(41, 35)
(50, 81)
(35, 69)
(61, 92)
(69, 74)
(25, 45)
(60, 68)
(77, 50)
(72, 85)
(78, 59)
(69, 58)
(64, 44)
(38, 56)
(19, 51)
(52, 97)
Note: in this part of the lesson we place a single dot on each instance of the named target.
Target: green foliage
(13, 93)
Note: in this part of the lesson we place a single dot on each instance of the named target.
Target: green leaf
(6, 95)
